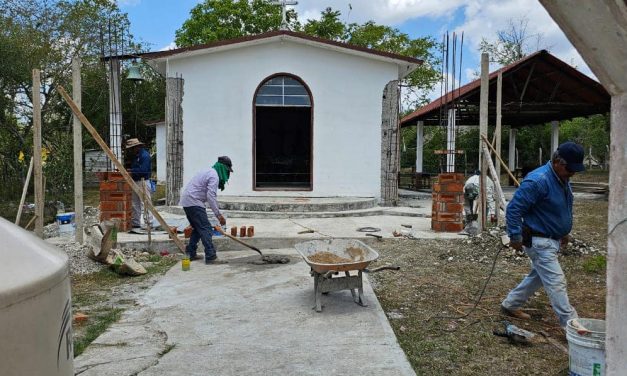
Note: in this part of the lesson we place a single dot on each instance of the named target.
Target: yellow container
(185, 264)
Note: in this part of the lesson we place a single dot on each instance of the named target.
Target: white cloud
(481, 18)
(170, 46)
(387, 12)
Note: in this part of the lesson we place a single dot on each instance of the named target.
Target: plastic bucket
(586, 353)
(66, 224)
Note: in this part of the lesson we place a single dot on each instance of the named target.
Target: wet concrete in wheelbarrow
(245, 319)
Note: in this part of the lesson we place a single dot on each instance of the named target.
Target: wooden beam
(78, 151)
(483, 132)
(139, 192)
(39, 189)
(24, 191)
(524, 90)
(497, 131)
(616, 302)
(485, 139)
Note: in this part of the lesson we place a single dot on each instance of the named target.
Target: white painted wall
(161, 151)
(347, 95)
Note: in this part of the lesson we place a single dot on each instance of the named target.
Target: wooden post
(497, 133)
(78, 151)
(90, 128)
(616, 304)
(483, 132)
(24, 191)
(37, 165)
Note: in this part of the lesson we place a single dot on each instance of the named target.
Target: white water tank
(35, 306)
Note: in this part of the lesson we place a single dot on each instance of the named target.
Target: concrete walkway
(244, 319)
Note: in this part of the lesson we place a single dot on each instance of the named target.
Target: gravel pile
(79, 262)
(482, 248)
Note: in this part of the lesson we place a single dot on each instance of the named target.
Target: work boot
(195, 257)
(516, 313)
(215, 261)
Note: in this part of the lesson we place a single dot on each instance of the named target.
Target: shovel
(219, 229)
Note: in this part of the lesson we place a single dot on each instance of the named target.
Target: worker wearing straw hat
(141, 168)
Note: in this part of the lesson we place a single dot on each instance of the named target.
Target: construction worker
(201, 190)
(471, 195)
(539, 219)
(141, 168)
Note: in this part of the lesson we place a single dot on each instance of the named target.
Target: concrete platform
(294, 204)
(244, 319)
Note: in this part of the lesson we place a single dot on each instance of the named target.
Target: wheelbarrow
(341, 255)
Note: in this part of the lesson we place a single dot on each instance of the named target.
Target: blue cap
(572, 153)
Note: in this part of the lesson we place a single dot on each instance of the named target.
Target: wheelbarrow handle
(389, 267)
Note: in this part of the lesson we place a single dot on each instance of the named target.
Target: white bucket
(66, 224)
(586, 353)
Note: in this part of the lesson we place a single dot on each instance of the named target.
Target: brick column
(115, 199)
(447, 211)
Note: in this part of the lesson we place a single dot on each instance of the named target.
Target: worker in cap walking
(141, 168)
(202, 189)
(539, 219)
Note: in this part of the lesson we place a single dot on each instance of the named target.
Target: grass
(93, 294)
(595, 264)
(431, 296)
(98, 324)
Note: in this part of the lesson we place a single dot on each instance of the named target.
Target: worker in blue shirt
(539, 219)
(141, 167)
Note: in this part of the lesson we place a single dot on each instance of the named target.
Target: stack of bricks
(116, 199)
(447, 211)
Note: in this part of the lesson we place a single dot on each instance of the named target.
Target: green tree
(215, 20)
(47, 34)
(329, 26)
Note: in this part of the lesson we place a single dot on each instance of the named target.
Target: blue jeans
(197, 217)
(547, 272)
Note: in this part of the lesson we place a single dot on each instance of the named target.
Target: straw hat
(132, 142)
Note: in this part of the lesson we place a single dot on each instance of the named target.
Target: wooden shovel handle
(219, 228)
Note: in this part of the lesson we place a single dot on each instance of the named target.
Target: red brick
(453, 207)
(123, 186)
(451, 177)
(449, 217)
(108, 186)
(449, 197)
(115, 196)
(452, 188)
(437, 187)
(115, 206)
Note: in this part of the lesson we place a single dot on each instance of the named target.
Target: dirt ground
(429, 301)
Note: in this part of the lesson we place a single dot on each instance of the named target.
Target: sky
(154, 22)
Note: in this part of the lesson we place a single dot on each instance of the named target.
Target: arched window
(283, 91)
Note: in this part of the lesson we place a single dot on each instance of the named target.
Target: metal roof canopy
(536, 89)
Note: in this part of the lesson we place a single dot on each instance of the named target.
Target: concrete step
(295, 204)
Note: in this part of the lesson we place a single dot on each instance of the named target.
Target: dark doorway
(283, 135)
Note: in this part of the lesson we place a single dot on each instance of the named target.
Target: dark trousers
(197, 217)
